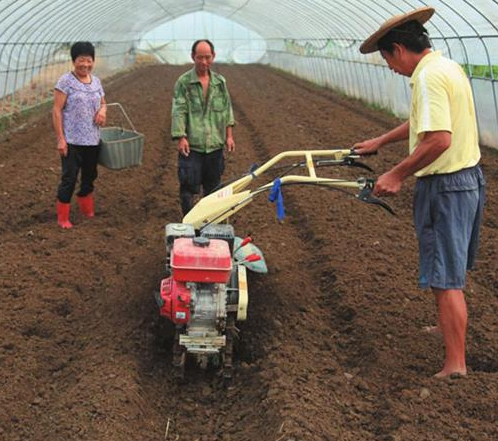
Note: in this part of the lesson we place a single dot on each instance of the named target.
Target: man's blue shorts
(447, 210)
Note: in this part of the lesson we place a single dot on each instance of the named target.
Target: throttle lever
(365, 195)
(353, 163)
(347, 160)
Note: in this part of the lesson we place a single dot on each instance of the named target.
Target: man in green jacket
(202, 121)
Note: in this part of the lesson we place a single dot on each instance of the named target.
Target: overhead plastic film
(314, 39)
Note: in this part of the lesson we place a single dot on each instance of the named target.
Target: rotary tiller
(206, 291)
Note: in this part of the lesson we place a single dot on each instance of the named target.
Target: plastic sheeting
(315, 39)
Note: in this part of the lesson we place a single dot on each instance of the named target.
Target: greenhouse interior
(316, 40)
(337, 340)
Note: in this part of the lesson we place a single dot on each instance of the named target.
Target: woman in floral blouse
(78, 113)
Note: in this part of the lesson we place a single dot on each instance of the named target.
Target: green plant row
(332, 49)
(481, 70)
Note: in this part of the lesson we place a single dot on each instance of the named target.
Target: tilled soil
(332, 348)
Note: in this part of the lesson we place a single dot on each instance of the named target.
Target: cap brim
(420, 14)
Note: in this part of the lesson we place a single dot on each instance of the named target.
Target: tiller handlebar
(233, 196)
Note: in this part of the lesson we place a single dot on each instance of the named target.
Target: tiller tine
(365, 195)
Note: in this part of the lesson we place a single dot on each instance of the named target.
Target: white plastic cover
(316, 39)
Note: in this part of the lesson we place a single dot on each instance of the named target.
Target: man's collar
(422, 63)
(193, 78)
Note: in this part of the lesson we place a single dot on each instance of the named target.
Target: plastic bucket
(120, 148)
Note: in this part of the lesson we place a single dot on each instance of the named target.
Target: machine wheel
(179, 357)
(228, 353)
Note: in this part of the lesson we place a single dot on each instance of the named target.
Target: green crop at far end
(18, 118)
(481, 71)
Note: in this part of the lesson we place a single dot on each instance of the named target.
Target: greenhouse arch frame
(317, 40)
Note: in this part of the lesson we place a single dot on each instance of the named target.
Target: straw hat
(420, 14)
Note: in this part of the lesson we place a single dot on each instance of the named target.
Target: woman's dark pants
(84, 158)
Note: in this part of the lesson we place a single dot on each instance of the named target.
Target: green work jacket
(203, 122)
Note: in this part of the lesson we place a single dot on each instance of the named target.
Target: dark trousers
(84, 158)
(196, 170)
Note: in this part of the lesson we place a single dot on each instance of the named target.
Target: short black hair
(82, 48)
(194, 46)
(411, 34)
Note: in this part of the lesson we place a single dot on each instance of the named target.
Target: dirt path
(332, 349)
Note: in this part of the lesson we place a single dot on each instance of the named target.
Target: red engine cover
(205, 264)
(176, 298)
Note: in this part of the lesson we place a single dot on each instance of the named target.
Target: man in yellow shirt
(444, 155)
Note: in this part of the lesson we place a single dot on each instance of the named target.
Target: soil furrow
(332, 348)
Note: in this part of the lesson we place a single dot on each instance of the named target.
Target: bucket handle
(124, 113)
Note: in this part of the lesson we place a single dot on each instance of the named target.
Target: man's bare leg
(452, 319)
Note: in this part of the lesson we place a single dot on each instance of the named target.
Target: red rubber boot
(86, 205)
(63, 215)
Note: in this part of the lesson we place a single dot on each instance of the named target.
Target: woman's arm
(59, 103)
(101, 115)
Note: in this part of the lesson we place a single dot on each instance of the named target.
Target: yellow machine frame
(229, 199)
